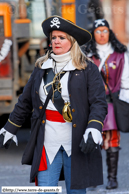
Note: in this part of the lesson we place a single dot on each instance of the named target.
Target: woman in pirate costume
(111, 58)
(70, 131)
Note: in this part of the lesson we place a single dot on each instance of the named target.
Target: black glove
(7, 144)
(89, 146)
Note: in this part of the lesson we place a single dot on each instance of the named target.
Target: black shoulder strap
(46, 102)
(106, 83)
(47, 99)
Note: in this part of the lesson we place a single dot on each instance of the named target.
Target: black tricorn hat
(55, 22)
(100, 22)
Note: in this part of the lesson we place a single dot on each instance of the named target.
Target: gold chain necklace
(56, 85)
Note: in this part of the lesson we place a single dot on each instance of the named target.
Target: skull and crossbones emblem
(98, 22)
(55, 22)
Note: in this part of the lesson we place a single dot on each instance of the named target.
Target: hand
(96, 134)
(7, 144)
(89, 146)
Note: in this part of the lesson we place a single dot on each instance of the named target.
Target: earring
(50, 45)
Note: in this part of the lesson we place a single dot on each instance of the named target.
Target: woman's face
(60, 43)
(101, 35)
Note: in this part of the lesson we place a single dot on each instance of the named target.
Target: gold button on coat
(74, 125)
(43, 121)
(73, 110)
(40, 107)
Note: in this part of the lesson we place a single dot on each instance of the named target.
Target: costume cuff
(8, 136)
(97, 137)
(96, 124)
(11, 127)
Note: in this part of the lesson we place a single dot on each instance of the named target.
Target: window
(1, 26)
(36, 12)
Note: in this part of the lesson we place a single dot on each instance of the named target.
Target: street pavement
(12, 173)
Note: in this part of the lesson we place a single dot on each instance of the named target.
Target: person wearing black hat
(112, 60)
(70, 132)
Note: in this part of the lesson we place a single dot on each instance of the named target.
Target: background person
(73, 144)
(111, 58)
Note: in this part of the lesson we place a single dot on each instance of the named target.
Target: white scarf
(61, 60)
(104, 51)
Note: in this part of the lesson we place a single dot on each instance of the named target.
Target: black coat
(89, 108)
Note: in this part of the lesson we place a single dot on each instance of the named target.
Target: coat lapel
(38, 79)
(69, 78)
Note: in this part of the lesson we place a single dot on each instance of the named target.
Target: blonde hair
(78, 57)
